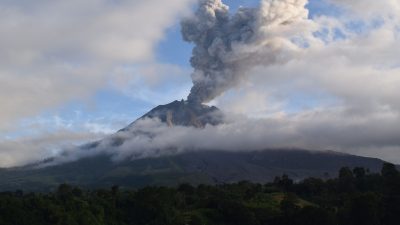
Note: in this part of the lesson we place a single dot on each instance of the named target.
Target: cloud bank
(152, 138)
(53, 52)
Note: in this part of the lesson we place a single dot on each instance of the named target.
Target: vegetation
(356, 197)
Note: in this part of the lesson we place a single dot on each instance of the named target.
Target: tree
(361, 209)
(311, 215)
(346, 180)
(389, 171)
(345, 173)
(359, 172)
(391, 178)
(284, 182)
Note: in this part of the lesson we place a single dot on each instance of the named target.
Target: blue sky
(89, 69)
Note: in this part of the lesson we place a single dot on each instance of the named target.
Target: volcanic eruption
(226, 47)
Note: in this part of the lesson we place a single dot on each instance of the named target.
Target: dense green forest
(356, 197)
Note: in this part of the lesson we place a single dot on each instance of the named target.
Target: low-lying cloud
(317, 130)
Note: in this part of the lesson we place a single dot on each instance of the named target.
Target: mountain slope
(208, 167)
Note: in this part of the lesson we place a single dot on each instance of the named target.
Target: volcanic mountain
(196, 167)
(184, 113)
(177, 113)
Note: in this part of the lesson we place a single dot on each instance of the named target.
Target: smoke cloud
(227, 46)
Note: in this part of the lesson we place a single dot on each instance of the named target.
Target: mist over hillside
(194, 167)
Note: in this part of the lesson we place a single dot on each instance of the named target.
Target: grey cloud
(226, 46)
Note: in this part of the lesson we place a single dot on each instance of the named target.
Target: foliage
(356, 197)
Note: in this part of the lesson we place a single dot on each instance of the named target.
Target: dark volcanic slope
(184, 113)
(209, 167)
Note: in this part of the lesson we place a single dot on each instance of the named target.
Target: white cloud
(56, 51)
(313, 130)
(37, 148)
(370, 8)
(40, 138)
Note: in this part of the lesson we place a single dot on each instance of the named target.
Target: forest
(355, 197)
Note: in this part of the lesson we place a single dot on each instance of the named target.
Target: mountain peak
(184, 113)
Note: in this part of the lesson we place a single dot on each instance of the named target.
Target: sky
(73, 71)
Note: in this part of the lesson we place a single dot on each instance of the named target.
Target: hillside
(207, 167)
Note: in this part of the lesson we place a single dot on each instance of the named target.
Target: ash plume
(227, 46)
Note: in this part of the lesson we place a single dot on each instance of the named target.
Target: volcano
(196, 167)
(184, 113)
(176, 113)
